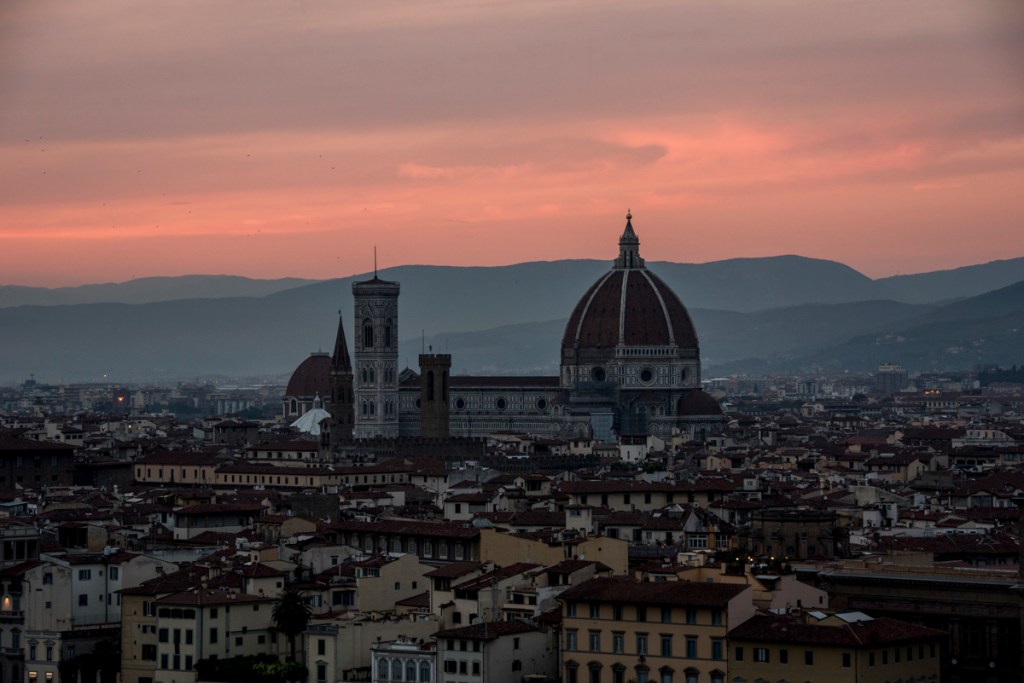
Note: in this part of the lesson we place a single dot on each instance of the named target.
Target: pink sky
(287, 138)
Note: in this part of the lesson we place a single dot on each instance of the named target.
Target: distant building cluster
(634, 529)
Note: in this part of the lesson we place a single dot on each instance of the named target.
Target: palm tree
(291, 616)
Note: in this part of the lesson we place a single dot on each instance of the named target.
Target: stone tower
(435, 369)
(376, 358)
(342, 398)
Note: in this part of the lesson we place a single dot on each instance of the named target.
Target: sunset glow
(274, 139)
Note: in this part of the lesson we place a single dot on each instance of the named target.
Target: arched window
(424, 672)
(373, 408)
(430, 385)
(294, 406)
(410, 671)
(383, 671)
(387, 335)
(396, 670)
(367, 333)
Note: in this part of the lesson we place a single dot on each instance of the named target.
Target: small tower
(435, 368)
(342, 398)
(376, 358)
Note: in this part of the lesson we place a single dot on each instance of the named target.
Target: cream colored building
(619, 630)
(203, 623)
(818, 647)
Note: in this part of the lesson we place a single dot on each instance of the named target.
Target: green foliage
(291, 615)
(251, 669)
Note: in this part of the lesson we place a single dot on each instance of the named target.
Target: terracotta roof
(313, 376)
(627, 590)
(487, 630)
(871, 633)
(633, 305)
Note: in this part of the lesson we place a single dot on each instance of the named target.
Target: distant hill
(146, 290)
(784, 313)
(985, 329)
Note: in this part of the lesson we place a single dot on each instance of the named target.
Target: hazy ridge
(780, 313)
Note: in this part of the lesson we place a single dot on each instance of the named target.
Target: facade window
(410, 671)
(666, 646)
(321, 646)
(641, 613)
(594, 673)
(83, 600)
(213, 635)
(739, 653)
(783, 656)
(617, 612)
(570, 640)
(424, 672)
(641, 643)
(691, 615)
(666, 615)
(618, 674)
(321, 672)
(809, 657)
(717, 649)
(572, 673)
(642, 674)
(761, 655)
(570, 609)
(595, 641)
(847, 660)
(618, 646)
(84, 574)
(595, 611)
(115, 573)
(716, 617)
(666, 675)
(691, 647)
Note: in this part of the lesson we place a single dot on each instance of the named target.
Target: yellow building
(846, 647)
(619, 630)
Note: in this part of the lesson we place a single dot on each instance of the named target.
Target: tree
(291, 616)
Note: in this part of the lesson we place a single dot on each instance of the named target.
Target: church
(629, 366)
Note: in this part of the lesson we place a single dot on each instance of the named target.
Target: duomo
(629, 366)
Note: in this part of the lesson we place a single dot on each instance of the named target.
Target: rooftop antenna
(423, 341)
(375, 261)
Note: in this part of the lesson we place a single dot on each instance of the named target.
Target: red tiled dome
(647, 313)
(697, 402)
(312, 377)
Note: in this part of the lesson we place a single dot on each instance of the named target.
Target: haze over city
(274, 139)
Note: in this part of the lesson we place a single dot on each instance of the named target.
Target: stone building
(629, 364)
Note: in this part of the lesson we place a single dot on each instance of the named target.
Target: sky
(289, 138)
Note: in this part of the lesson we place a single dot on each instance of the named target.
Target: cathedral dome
(312, 377)
(629, 306)
(698, 403)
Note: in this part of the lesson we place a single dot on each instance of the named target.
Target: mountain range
(782, 313)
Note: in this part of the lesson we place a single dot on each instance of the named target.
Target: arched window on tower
(294, 406)
(367, 334)
(430, 385)
(387, 335)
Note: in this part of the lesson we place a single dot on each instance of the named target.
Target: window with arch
(382, 668)
(294, 406)
(387, 335)
(410, 671)
(367, 333)
(424, 672)
(430, 385)
(396, 670)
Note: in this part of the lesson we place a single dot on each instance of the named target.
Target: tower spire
(629, 247)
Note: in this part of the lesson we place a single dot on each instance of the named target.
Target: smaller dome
(312, 377)
(696, 403)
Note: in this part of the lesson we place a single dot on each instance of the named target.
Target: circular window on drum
(501, 404)
(542, 404)
(598, 374)
(460, 403)
(647, 375)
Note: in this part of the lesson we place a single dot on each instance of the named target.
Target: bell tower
(376, 358)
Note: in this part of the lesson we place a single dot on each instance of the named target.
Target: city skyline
(289, 140)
